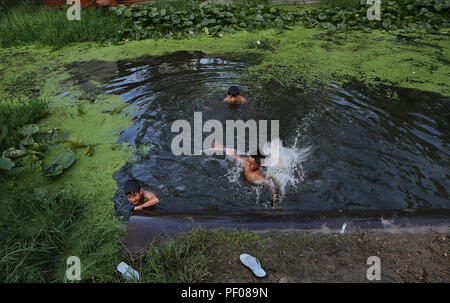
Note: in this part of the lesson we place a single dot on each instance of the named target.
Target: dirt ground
(296, 256)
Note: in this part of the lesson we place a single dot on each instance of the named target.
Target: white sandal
(253, 263)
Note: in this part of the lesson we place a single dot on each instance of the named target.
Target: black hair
(258, 157)
(131, 186)
(233, 90)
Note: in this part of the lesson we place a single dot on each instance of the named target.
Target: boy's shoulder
(148, 193)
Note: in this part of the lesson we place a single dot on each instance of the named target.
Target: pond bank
(304, 257)
(293, 58)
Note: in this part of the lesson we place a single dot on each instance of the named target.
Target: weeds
(176, 4)
(22, 25)
(15, 113)
(185, 259)
(343, 3)
(34, 228)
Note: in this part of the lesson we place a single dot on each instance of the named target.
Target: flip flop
(253, 263)
(127, 271)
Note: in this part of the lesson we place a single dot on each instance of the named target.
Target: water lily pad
(27, 141)
(52, 170)
(40, 147)
(14, 153)
(66, 159)
(28, 130)
(6, 164)
(50, 137)
(34, 152)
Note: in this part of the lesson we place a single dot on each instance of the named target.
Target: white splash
(284, 164)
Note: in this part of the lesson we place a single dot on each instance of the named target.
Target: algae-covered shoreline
(291, 59)
(415, 60)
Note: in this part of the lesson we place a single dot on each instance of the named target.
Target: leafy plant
(172, 22)
(64, 161)
(15, 114)
(6, 164)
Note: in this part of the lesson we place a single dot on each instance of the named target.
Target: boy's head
(255, 160)
(233, 92)
(133, 191)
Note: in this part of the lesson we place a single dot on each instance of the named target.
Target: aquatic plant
(183, 19)
(16, 113)
(150, 21)
(64, 161)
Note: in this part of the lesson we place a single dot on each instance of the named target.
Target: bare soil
(297, 256)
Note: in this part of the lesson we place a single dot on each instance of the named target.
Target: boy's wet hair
(233, 90)
(258, 157)
(131, 186)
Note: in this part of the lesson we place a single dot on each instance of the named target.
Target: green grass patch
(343, 3)
(35, 225)
(190, 257)
(22, 25)
(15, 113)
(183, 259)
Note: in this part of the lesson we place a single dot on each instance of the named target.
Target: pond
(340, 147)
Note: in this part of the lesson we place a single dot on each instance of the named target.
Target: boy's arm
(227, 151)
(274, 193)
(152, 199)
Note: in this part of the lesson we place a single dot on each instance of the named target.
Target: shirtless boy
(233, 96)
(252, 172)
(138, 197)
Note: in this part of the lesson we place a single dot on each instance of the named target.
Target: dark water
(346, 149)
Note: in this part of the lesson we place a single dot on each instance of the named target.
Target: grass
(41, 229)
(34, 228)
(251, 2)
(37, 236)
(342, 3)
(185, 259)
(15, 113)
(190, 257)
(22, 25)
(177, 4)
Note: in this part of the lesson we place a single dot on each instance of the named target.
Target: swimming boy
(139, 198)
(233, 96)
(252, 172)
